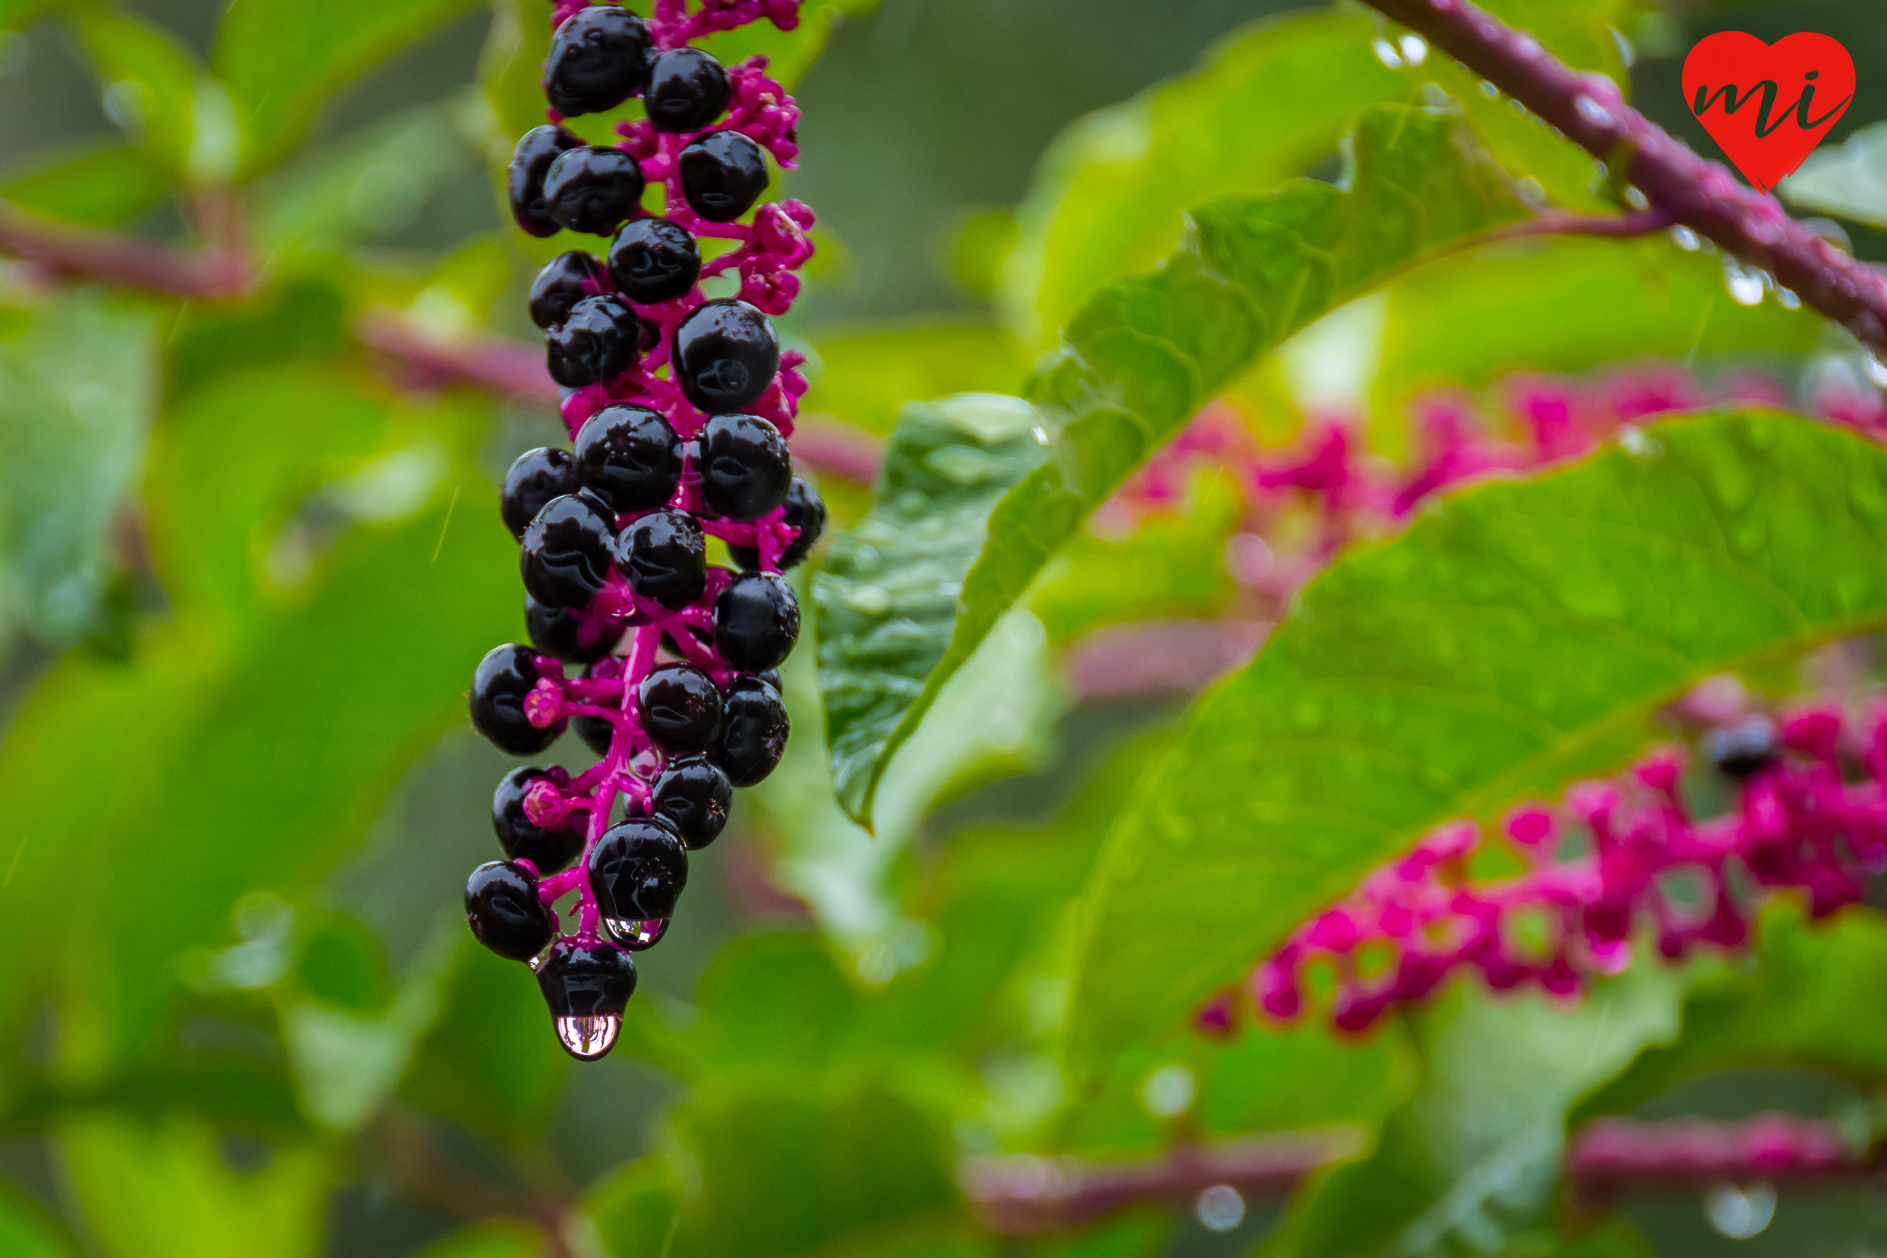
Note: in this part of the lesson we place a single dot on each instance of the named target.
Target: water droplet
(1386, 52)
(635, 935)
(1786, 298)
(1636, 199)
(1746, 284)
(1873, 368)
(1593, 112)
(586, 1039)
(1220, 1208)
(1414, 49)
(1684, 238)
(1168, 1092)
(1531, 191)
(871, 600)
(1489, 90)
(1740, 1213)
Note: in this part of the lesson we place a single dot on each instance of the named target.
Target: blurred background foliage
(249, 555)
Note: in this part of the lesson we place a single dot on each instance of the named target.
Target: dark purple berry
(550, 849)
(687, 91)
(805, 511)
(629, 457)
(771, 676)
(664, 557)
(722, 175)
(505, 914)
(753, 731)
(593, 189)
(599, 58)
(725, 355)
(565, 280)
(654, 260)
(598, 732)
(587, 986)
(1744, 747)
(638, 869)
(745, 468)
(693, 795)
(567, 551)
(505, 676)
(571, 636)
(597, 342)
(651, 335)
(680, 709)
(535, 478)
(525, 180)
(756, 621)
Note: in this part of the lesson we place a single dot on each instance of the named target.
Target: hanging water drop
(1414, 49)
(1873, 368)
(1593, 112)
(1786, 298)
(1386, 52)
(1220, 1208)
(586, 1039)
(636, 935)
(1684, 238)
(1740, 1213)
(1489, 90)
(1746, 284)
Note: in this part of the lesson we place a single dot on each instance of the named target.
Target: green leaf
(25, 1231)
(1848, 181)
(183, 118)
(99, 184)
(1517, 637)
(866, 375)
(1139, 361)
(499, 1238)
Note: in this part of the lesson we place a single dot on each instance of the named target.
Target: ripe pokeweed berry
(629, 457)
(599, 58)
(805, 511)
(744, 465)
(598, 341)
(687, 90)
(535, 478)
(680, 709)
(654, 260)
(524, 182)
(722, 174)
(571, 636)
(753, 731)
(664, 557)
(503, 910)
(771, 676)
(598, 732)
(593, 189)
(567, 550)
(1745, 747)
(693, 794)
(565, 280)
(651, 334)
(549, 848)
(505, 676)
(756, 621)
(726, 353)
(587, 986)
(637, 870)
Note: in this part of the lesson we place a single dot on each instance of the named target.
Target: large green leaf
(98, 184)
(1520, 635)
(153, 83)
(1138, 362)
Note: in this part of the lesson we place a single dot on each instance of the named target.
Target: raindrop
(636, 935)
(1221, 1208)
(589, 1038)
(1531, 191)
(1873, 368)
(1489, 90)
(1386, 53)
(1593, 112)
(1740, 1213)
(1636, 199)
(1684, 238)
(1786, 298)
(871, 600)
(123, 103)
(1414, 49)
(1746, 284)
(1168, 1092)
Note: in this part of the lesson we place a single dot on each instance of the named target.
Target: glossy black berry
(565, 280)
(664, 557)
(722, 175)
(687, 91)
(638, 869)
(505, 914)
(525, 180)
(1744, 747)
(571, 636)
(567, 551)
(505, 676)
(805, 511)
(744, 465)
(771, 676)
(593, 189)
(629, 457)
(693, 794)
(654, 260)
(725, 354)
(753, 731)
(597, 342)
(536, 476)
(680, 709)
(599, 58)
(550, 849)
(756, 621)
(587, 986)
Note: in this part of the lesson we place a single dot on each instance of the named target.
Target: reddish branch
(1616, 1155)
(79, 253)
(1702, 195)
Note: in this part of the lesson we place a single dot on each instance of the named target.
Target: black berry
(598, 732)
(756, 621)
(805, 511)
(565, 280)
(596, 342)
(505, 914)
(753, 731)
(744, 465)
(725, 355)
(567, 551)
(1745, 747)
(722, 175)
(505, 676)
(599, 58)
(638, 869)
(629, 457)
(771, 676)
(693, 794)
(535, 478)
(569, 635)
(519, 836)
(593, 189)
(525, 180)
(587, 986)
(687, 91)
(680, 709)
(664, 557)
(653, 260)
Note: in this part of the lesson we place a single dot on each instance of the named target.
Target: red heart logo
(1768, 105)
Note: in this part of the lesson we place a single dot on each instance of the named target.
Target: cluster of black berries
(614, 534)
